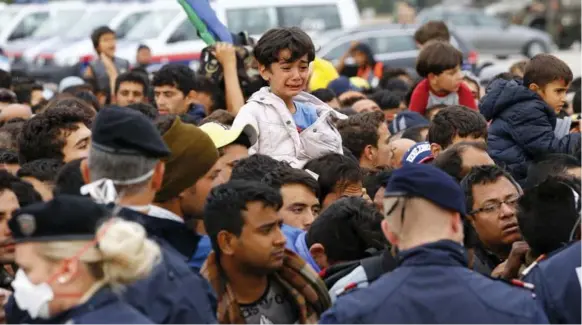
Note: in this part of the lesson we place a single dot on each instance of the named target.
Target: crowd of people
(272, 187)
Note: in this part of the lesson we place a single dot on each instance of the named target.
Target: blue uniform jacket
(433, 285)
(104, 307)
(522, 127)
(173, 293)
(558, 286)
(296, 242)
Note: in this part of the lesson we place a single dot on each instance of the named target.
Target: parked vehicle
(489, 34)
(393, 45)
(20, 21)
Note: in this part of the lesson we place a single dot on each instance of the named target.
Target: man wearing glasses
(423, 209)
(491, 197)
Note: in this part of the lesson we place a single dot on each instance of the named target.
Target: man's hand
(4, 295)
(515, 260)
(225, 54)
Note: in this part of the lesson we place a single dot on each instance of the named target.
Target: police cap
(66, 217)
(123, 131)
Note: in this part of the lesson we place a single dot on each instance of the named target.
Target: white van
(172, 37)
(20, 21)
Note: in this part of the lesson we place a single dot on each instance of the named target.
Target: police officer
(70, 254)
(557, 283)
(423, 209)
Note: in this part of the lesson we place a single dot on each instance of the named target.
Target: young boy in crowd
(439, 63)
(292, 125)
(523, 117)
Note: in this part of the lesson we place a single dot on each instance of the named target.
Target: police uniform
(72, 218)
(557, 281)
(432, 283)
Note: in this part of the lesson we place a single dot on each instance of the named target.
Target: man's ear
(368, 152)
(534, 87)
(435, 149)
(226, 243)
(85, 171)
(389, 234)
(317, 252)
(158, 177)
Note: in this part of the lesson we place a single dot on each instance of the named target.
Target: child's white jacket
(277, 133)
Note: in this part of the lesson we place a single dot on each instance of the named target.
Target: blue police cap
(123, 131)
(428, 182)
(66, 217)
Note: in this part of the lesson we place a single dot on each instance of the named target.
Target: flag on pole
(204, 19)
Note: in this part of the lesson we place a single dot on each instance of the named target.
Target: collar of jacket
(197, 112)
(102, 297)
(265, 96)
(174, 233)
(442, 252)
(303, 251)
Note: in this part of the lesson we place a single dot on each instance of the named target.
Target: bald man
(11, 111)
(397, 150)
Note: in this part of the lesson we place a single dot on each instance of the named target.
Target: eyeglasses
(494, 207)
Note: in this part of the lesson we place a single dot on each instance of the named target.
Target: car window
(28, 25)
(392, 44)
(184, 32)
(6, 16)
(151, 25)
(253, 21)
(58, 23)
(310, 18)
(460, 19)
(90, 21)
(128, 23)
(487, 21)
(338, 51)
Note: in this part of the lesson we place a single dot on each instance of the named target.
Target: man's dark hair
(543, 69)
(45, 170)
(437, 57)
(548, 213)
(386, 99)
(350, 101)
(395, 85)
(24, 91)
(349, 229)
(360, 130)
(456, 121)
(25, 193)
(226, 206)
(414, 133)
(374, 181)
(146, 109)
(556, 164)
(275, 40)
(429, 110)
(5, 79)
(482, 175)
(69, 179)
(451, 162)
(98, 33)
(42, 135)
(8, 157)
(176, 75)
(334, 170)
(89, 99)
(392, 73)
(9, 133)
(134, 77)
(70, 102)
(219, 116)
(8, 96)
(432, 30)
(143, 47)
(255, 167)
(288, 175)
(324, 94)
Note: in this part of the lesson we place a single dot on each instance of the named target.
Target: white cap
(70, 81)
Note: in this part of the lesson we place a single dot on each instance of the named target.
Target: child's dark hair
(431, 31)
(437, 57)
(98, 32)
(277, 39)
(324, 94)
(542, 69)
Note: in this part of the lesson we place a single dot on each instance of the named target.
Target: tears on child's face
(449, 80)
(287, 79)
(554, 94)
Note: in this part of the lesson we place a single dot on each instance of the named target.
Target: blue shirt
(202, 252)
(305, 115)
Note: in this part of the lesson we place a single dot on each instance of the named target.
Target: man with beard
(257, 280)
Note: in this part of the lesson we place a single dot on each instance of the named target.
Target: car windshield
(151, 25)
(90, 21)
(254, 21)
(58, 23)
(6, 15)
(310, 18)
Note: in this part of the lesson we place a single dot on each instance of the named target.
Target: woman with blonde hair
(74, 259)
